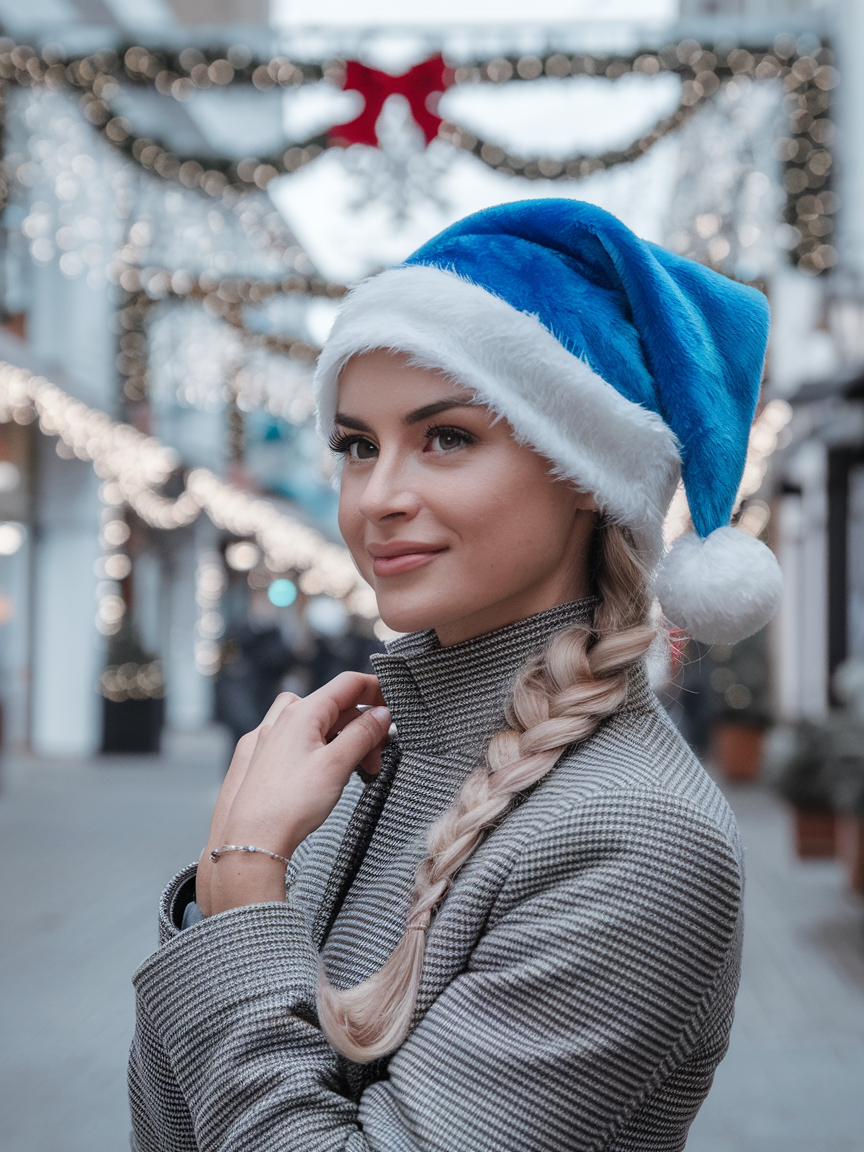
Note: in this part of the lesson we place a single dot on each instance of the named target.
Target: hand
(284, 780)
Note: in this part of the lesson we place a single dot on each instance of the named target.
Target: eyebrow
(412, 418)
(433, 409)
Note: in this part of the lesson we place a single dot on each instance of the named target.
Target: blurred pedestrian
(255, 659)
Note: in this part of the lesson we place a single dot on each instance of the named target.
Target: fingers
(343, 693)
(344, 719)
(359, 739)
(233, 779)
(282, 701)
(370, 765)
(240, 761)
(316, 718)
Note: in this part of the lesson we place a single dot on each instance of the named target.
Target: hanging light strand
(226, 297)
(134, 466)
(807, 76)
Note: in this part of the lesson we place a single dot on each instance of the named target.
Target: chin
(406, 613)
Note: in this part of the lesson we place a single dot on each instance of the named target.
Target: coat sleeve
(588, 989)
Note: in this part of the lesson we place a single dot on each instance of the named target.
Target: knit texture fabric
(579, 979)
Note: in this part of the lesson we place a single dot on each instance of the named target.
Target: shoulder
(626, 872)
(632, 813)
(645, 831)
(638, 762)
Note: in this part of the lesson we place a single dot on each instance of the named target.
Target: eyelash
(342, 442)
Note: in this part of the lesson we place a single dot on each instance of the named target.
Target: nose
(388, 493)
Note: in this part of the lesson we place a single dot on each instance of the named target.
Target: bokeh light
(12, 536)
(282, 593)
(242, 556)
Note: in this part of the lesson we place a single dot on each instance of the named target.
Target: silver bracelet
(223, 848)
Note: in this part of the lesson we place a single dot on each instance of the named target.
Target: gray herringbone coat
(579, 980)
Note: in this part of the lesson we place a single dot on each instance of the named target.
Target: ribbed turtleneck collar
(454, 697)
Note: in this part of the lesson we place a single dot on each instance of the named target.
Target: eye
(357, 447)
(448, 439)
(363, 449)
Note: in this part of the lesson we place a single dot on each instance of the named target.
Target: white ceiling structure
(80, 24)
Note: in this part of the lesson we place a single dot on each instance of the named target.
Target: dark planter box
(736, 749)
(132, 725)
(850, 848)
(815, 834)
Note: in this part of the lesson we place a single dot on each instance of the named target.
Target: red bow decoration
(417, 86)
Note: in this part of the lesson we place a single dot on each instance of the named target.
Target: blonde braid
(559, 698)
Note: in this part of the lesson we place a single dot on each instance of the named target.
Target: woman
(518, 927)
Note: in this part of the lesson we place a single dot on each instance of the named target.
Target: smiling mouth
(404, 561)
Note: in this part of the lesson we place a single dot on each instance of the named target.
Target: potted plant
(133, 696)
(740, 706)
(845, 773)
(796, 765)
(845, 769)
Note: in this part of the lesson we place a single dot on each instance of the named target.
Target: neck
(509, 611)
(454, 696)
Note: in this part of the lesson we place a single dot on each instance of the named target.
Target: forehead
(390, 377)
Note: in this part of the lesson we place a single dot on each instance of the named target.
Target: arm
(583, 996)
(268, 797)
(285, 779)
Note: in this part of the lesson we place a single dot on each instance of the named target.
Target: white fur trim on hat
(720, 589)
(621, 453)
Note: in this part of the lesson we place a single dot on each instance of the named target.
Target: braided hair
(558, 699)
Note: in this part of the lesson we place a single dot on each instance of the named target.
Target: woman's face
(455, 525)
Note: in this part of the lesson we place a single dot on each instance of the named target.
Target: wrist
(278, 837)
(241, 878)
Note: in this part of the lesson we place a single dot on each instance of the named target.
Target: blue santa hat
(627, 366)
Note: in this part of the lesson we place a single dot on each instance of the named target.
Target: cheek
(511, 507)
(351, 522)
(512, 524)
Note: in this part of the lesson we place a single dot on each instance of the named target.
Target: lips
(400, 556)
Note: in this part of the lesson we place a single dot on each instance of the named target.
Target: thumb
(357, 739)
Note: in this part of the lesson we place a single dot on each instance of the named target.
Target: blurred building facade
(116, 285)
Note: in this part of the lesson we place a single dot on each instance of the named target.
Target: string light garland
(131, 681)
(807, 76)
(210, 585)
(225, 297)
(697, 66)
(114, 565)
(135, 466)
(179, 75)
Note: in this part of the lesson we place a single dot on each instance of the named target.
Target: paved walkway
(86, 848)
(793, 1080)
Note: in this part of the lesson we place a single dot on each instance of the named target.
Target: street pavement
(85, 849)
(793, 1079)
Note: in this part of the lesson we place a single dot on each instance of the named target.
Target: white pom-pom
(720, 589)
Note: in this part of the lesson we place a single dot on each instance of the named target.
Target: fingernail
(382, 714)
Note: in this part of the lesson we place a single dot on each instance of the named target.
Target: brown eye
(448, 440)
(364, 450)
